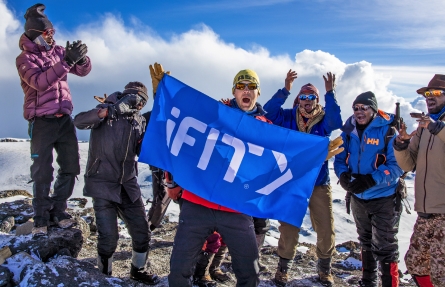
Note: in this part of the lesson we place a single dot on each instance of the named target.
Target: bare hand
(291, 76)
(403, 135)
(102, 113)
(225, 101)
(329, 82)
(425, 121)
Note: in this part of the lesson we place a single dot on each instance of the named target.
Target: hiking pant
(426, 253)
(196, 223)
(160, 199)
(322, 219)
(132, 213)
(377, 222)
(47, 134)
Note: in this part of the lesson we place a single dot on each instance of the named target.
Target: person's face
(434, 104)
(306, 102)
(245, 98)
(363, 114)
(48, 36)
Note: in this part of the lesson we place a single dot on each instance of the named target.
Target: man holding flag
(241, 160)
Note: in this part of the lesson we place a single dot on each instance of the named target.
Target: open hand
(403, 135)
(290, 77)
(329, 82)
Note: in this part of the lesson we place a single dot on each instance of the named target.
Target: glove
(125, 106)
(361, 183)
(100, 99)
(333, 148)
(345, 179)
(348, 202)
(74, 52)
(156, 73)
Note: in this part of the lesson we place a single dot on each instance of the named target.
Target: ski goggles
(357, 108)
(310, 97)
(433, 93)
(46, 32)
(242, 86)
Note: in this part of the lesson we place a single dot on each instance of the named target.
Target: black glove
(127, 105)
(361, 183)
(348, 202)
(345, 179)
(74, 52)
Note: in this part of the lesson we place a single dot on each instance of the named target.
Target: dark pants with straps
(47, 134)
(196, 223)
(132, 213)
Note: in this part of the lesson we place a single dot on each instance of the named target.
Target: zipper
(92, 166)
(424, 179)
(126, 153)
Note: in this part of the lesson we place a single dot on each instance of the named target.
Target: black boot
(202, 277)
(390, 274)
(369, 267)
(143, 276)
(105, 264)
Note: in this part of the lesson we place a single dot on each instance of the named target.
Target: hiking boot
(105, 264)
(220, 276)
(281, 278)
(66, 223)
(205, 281)
(326, 279)
(39, 231)
(324, 271)
(143, 276)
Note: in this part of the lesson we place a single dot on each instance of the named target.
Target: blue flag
(230, 158)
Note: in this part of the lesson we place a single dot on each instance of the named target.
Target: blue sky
(389, 47)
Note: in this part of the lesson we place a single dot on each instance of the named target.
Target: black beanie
(367, 98)
(36, 20)
(136, 88)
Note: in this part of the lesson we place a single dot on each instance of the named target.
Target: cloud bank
(121, 52)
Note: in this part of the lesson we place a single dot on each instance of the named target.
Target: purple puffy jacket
(43, 77)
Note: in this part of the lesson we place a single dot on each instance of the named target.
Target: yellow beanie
(246, 75)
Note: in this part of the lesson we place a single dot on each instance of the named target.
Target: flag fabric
(230, 158)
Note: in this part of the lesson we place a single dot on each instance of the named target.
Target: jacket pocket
(93, 169)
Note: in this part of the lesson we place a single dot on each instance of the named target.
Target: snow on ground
(15, 162)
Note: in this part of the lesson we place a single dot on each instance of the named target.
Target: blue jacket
(287, 118)
(361, 156)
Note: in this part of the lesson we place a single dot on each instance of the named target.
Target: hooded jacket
(114, 145)
(287, 118)
(361, 156)
(43, 77)
(426, 153)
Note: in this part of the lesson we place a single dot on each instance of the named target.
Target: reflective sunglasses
(242, 86)
(310, 97)
(46, 32)
(358, 108)
(433, 93)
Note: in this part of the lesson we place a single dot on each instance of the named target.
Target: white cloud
(121, 53)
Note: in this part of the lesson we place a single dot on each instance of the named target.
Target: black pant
(47, 134)
(377, 222)
(160, 199)
(132, 213)
(196, 223)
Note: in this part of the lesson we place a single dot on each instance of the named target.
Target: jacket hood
(381, 119)
(25, 44)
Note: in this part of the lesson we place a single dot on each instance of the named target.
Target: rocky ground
(346, 262)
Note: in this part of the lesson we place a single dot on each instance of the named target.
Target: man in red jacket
(43, 67)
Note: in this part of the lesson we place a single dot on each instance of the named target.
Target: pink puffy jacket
(43, 76)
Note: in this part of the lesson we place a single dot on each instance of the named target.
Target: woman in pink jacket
(43, 68)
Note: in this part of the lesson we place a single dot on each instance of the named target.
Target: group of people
(369, 164)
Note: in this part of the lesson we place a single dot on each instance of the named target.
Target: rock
(78, 202)
(14, 192)
(7, 224)
(5, 253)
(21, 210)
(5, 277)
(25, 228)
(18, 262)
(83, 226)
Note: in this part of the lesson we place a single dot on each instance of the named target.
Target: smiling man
(424, 150)
(368, 170)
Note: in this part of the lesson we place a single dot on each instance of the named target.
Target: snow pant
(377, 222)
(426, 253)
(132, 213)
(322, 219)
(48, 133)
(196, 223)
(160, 199)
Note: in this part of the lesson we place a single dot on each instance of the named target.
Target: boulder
(5, 277)
(21, 210)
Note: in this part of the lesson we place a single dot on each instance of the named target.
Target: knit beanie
(36, 20)
(305, 89)
(246, 75)
(367, 98)
(136, 88)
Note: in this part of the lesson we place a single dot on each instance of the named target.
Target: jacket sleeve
(275, 113)
(407, 158)
(332, 118)
(88, 120)
(37, 79)
(390, 171)
(340, 165)
(82, 70)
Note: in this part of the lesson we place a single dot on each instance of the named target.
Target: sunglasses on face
(358, 108)
(307, 97)
(46, 32)
(242, 86)
(433, 93)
